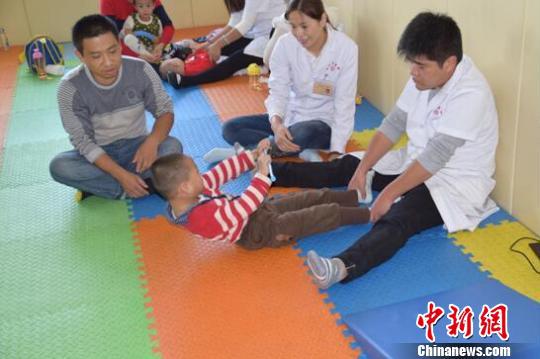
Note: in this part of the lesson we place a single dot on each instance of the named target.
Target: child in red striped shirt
(250, 220)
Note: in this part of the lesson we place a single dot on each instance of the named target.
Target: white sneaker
(369, 193)
(219, 154)
(310, 156)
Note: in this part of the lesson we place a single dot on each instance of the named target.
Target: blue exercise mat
(391, 331)
(428, 263)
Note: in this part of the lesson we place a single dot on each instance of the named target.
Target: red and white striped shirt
(221, 217)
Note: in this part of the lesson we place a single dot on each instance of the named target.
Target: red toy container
(197, 62)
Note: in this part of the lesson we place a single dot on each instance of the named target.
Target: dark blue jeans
(74, 170)
(249, 130)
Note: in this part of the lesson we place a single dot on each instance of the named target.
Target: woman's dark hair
(312, 8)
(91, 26)
(234, 5)
(435, 36)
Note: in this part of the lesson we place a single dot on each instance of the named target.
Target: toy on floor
(39, 64)
(254, 72)
(198, 62)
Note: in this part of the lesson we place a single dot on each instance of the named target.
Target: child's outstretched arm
(229, 169)
(225, 218)
(254, 195)
(234, 166)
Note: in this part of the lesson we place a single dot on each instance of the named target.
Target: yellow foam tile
(490, 246)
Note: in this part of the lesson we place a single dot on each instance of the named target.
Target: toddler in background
(142, 30)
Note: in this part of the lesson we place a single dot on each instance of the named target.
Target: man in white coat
(444, 174)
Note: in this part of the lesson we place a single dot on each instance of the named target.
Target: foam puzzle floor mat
(490, 248)
(231, 303)
(113, 279)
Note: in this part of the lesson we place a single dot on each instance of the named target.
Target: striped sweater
(222, 217)
(95, 115)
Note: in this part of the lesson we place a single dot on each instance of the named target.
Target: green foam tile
(24, 165)
(61, 270)
(31, 93)
(89, 330)
(34, 126)
(30, 211)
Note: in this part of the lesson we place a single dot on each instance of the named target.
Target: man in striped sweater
(249, 220)
(102, 103)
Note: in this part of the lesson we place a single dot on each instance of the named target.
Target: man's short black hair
(435, 36)
(91, 26)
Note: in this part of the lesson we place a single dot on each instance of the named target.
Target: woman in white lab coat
(243, 41)
(311, 104)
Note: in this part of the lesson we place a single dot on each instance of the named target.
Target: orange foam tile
(193, 32)
(6, 99)
(8, 75)
(353, 146)
(233, 97)
(283, 190)
(213, 300)
(10, 57)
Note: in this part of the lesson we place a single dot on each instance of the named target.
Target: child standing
(249, 220)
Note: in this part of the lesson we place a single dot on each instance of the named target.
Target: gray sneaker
(325, 271)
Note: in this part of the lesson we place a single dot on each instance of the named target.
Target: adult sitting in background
(102, 104)
(312, 84)
(243, 41)
(444, 175)
(119, 10)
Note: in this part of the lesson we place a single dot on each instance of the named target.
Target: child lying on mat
(250, 220)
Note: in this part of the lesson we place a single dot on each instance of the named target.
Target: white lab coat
(463, 108)
(260, 14)
(295, 72)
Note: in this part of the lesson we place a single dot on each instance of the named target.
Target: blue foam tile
(497, 218)
(189, 103)
(198, 136)
(428, 263)
(367, 116)
(391, 331)
(147, 207)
